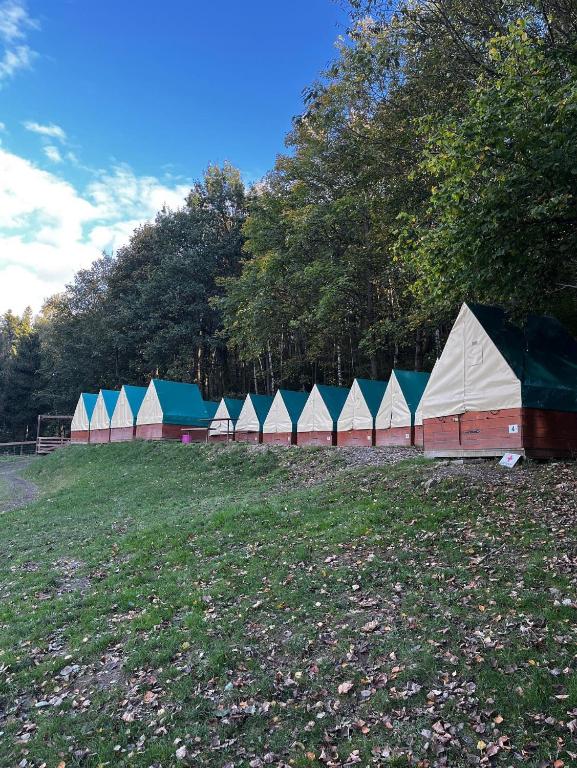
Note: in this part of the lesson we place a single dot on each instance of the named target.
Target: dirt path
(20, 491)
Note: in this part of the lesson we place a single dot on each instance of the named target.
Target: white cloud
(53, 154)
(2, 127)
(14, 20)
(49, 230)
(49, 130)
(15, 53)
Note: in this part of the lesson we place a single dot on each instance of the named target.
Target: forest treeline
(434, 161)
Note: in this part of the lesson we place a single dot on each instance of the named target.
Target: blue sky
(109, 109)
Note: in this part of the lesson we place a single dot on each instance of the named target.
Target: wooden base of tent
(221, 438)
(99, 435)
(317, 438)
(403, 436)
(363, 437)
(121, 434)
(81, 436)
(279, 438)
(527, 431)
(248, 437)
(159, 431)
(418, 436)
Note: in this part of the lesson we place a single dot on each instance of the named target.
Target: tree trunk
(270, 368)
(418, 351)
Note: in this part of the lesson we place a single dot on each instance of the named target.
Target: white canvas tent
(500, 387)
(252, 417)
(80, 420)
(393, 411)
(471, 374)
(319, 417)
(281, 420)
(123, 421)
(103, 410)
(356, 422)
(315, 416)
(278, 418)
(224, 422)
(359, 410)
(80, 426)
(356, 413)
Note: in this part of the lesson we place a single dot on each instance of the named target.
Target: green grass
(5, 490)
(209, 594)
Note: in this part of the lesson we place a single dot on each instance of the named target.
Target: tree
(500, 222)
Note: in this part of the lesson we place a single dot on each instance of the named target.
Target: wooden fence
(20, 448)
(48, 444)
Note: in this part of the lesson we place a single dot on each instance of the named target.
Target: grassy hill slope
(170, 605)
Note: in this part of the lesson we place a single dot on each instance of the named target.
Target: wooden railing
(48, 444)
(18, 448)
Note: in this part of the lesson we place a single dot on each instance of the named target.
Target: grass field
(166, 605)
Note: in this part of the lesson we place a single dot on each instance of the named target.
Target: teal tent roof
(211, 407)
(135, 396)
(89, 403)
(541, 353)
(373, 392)
(262, 404)
(110, 397)
(412, 384)
(233, 406)
(181, 403)
(334, 398)
(294, 402)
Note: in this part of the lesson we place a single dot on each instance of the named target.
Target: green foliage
(20, 362)
(500, 221)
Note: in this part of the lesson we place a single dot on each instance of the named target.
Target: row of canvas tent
(369, 413)
(496, 387)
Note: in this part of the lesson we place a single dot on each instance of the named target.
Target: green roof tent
(317, 423)
(398, 407)
(102, 415)
(169, 407)
(490, 365)
(253, 414)
(280, 424)
(211, 407)
(80, 426)
(172, 402)
(104, 408)
(123, 422)
(225, 418)
(361, 405)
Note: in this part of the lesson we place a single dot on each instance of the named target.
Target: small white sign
(510, 459)
(513, 429)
